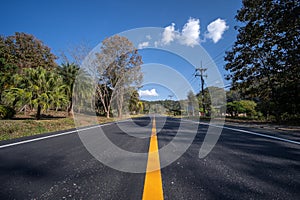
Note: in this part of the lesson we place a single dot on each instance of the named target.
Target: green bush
(290, 118)
(6, 112)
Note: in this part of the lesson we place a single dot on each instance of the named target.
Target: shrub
(290, 118)
(6, 112)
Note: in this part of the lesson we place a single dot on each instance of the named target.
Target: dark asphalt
(241, 166)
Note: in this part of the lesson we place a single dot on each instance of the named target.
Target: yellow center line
(153, 184)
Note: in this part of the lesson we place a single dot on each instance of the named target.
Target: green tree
(235, 108)
(249, 107)
(242, 106)
(233, 95)
(134, 102)
(38, 88)
(69, 72)
(21, 51)
(214, 100)
(26, 51)
(6, 68)
(264, 61)
(140, 107)
(146, 107)
(173, 107)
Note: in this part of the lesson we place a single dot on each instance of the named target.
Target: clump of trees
(28, 76)
(31, 80)
(246, 107)
(264, 61)
(135, 105)
(37, 88)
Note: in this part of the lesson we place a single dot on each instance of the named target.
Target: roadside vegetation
(263, 63)
(36, 93)
(21, 125)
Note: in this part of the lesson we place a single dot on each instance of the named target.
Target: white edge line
(58, 134)
(250, 132)
(84, 129)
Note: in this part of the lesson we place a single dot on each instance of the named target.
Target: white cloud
(190, 33)
(216, 29)
(148, 37)
(143, 45)
(169, 34)
(151, 92)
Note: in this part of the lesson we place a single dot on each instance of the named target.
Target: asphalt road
(240, 166)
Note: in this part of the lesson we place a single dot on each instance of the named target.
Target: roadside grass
(22, 125)
(16, 128)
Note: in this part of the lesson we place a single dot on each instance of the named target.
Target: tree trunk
(120, 108)
(38, 113)
(70, 108)
(120, 98)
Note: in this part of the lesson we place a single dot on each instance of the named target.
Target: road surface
(240, 166)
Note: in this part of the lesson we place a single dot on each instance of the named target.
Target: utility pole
(200, 72)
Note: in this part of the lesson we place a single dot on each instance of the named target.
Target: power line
(218, 55)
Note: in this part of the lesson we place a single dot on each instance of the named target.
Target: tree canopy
(37, 88)
(26, 51)
(264, 61)
(21, 51)
(119, 72)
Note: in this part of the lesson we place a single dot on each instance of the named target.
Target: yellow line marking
(153, 184)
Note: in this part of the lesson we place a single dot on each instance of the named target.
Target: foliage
(264, 61)
(21, 51)
(173, 107)
(234, 108)
(69, 72)
(25, 51)
(244, 106)
(213, 99)
(6, 112)
(233, 95)
(37, 88)
(249, 107)
(6, 69)
(140, 107)
(134, 106)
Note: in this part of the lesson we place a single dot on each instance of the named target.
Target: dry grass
(16, 128)
(26, 125)
(22, 125)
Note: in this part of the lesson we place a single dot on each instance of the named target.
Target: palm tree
(37, 87)
(69, 72)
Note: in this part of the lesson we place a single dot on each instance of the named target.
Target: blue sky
(61, 24)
